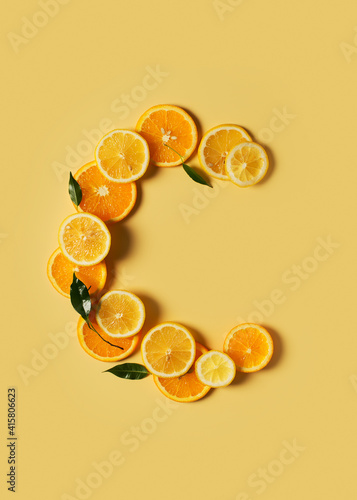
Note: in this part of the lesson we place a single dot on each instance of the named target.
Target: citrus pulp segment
(167, 125)
(250, 346)
(84, 239)
(168, 350)
(120, 313)
(122, 156)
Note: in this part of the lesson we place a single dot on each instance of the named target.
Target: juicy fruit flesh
(84, 239)
(169, 350)
(122, 155)
(216, 369)
(167, 127)
(247, 164)
(187, 386)
(62, 271)
(102, 197)
(102, 349)
(119, 314)
(248, 348)
(218, 146)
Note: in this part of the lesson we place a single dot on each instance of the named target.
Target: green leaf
(194, 175)
(81, 302)
(74, 189)
(130, 371)
(80, 298)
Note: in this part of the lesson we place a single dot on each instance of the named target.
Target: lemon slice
(215, 146)
(122, 156)
(168, 350)
(84, 239)
(215, 369)
(246, 164)
(120, 313)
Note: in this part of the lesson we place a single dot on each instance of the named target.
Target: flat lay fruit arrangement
(104, 192)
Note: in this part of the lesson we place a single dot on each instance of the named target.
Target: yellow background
(226, 62)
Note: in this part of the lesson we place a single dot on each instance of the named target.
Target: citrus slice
(60, 273)
(120, 313)
(99, 349)
(215, 146)
(168, 350)
(215, 369)
(84, 239)
(171, 125)
(108, 200)
(246, 164)
(250, 346)
(122, 156)
(186, 388)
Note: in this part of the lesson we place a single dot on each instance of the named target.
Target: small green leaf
(130, 371)
(81, 302)
(74, 189)
(80, 298)
(194, 175)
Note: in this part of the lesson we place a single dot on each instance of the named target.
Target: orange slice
(215, 369)
(171, 125)
(168, 350)
(122, 156)
(186, 388)
(250, 346)
(108, 200)
(84, 239)
(215, 146)
(120, 313)
(60, 273)
(98, 349)
(246, 164)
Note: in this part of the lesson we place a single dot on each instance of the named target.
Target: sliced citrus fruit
(246, 164)
(186, 388)
(250, 346)
(99, 349)
(122, 156)
(168, 350)
(108, 200)
(60, 273)
(84, 239)
(120, 313)
(215, 369)
(170, 125)
(215, 146)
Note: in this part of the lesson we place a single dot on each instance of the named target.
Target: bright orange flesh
(250, 346)
(60, 273)
(171, 125)
(186, 388)
(110, 201)
(98, 349)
